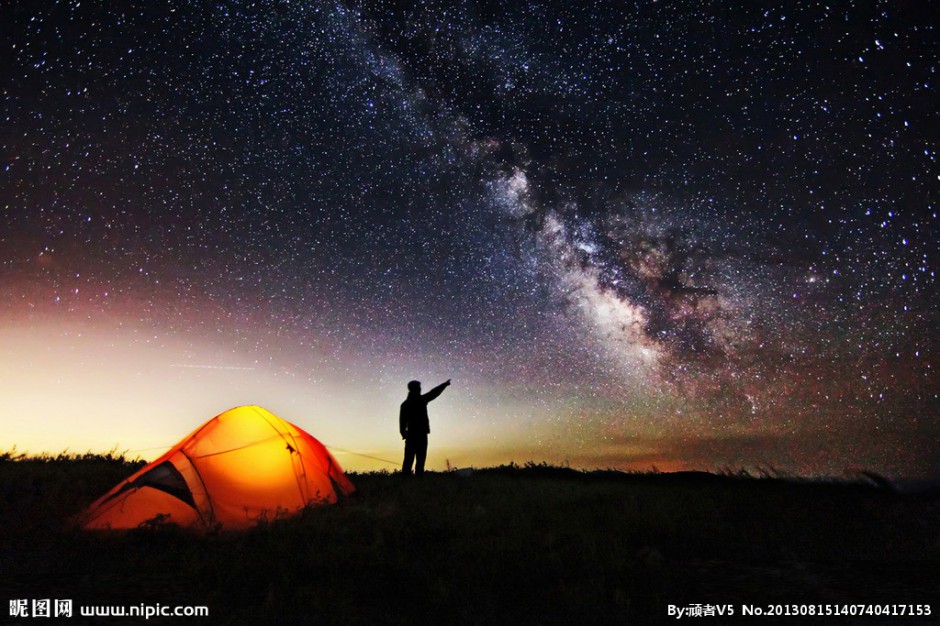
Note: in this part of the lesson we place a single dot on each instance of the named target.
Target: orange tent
(240, 467)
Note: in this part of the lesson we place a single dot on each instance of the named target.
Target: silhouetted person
(414, 425)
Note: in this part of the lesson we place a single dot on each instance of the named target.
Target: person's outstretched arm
(436, 391)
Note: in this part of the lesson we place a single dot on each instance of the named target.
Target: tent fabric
(238, 468)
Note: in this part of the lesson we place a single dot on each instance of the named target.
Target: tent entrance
(167, 479)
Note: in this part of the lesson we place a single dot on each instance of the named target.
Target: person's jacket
(413, 417)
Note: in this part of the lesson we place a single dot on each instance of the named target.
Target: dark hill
(536, 544)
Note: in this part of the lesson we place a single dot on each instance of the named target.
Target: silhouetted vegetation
(511, 544)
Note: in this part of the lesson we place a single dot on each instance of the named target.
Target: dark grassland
(527, 545)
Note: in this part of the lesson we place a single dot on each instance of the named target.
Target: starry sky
(634, 234)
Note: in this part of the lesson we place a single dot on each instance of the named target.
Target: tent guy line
(374, 458)
(329, 447)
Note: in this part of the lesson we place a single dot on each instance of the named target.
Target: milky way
(636, 233)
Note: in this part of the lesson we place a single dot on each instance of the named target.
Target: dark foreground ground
(507, 545)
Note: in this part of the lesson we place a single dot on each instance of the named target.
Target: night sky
(671, 234)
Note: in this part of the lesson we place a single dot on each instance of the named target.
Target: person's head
(414, 387)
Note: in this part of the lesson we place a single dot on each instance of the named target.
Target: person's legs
(421, 452)
(409, 458)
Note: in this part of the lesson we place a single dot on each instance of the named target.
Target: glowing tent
(240, 467)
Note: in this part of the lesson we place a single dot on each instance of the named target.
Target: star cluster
(650, 232)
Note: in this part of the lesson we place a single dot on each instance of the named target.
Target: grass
(534, 544)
